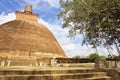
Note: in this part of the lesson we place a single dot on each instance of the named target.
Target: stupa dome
(25, 37)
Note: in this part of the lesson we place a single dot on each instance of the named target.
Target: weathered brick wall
(44, 60)
(26, 16)
(23, 36)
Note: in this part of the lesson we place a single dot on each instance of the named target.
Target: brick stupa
(25, 37)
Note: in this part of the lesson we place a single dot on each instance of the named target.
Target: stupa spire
(28, 9)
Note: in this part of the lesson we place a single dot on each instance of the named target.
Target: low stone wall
(67, 62)
(111, 67)
(107, 64)
(114, 73)
(72, 60)
(99, 63)
(113, 64)
(85, 65)
(47, 61)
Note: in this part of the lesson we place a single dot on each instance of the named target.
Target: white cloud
(5, 18)
(36, 3)
(53, 3)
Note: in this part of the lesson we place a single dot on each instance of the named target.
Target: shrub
(113, 57)
(93, 56)
(76, 57)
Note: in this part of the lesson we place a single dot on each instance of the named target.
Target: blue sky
(48, 10)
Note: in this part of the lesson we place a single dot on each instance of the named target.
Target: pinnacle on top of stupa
(27, 15)
(28, 9)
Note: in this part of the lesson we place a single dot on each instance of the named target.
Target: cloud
(37, 4)
(6, 17)
(53, 3)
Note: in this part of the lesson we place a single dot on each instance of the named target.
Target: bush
(114, 57)
(76, 57)
(93, 56)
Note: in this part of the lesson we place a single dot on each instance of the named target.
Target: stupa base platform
(22, 61)
(51, 73)
(19, 61)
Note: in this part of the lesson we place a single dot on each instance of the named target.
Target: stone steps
(47, 71)
(100, 78)
(94, 78)
(61, 74)
(55, 77)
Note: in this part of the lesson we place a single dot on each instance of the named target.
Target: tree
(114, 57)
(97, 20)
(93, 56)
(76, 57)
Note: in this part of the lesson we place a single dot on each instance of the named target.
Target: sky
(48, 10)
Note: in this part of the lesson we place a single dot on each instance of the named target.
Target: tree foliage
(76, 57)
(97, 20)
(114, 57)
(93, 56)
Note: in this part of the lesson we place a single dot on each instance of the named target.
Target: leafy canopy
(97, 20)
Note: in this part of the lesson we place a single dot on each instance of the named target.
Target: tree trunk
(118, 50)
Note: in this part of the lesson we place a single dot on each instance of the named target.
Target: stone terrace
(51, 73)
